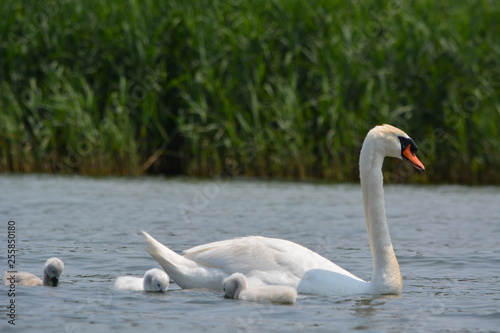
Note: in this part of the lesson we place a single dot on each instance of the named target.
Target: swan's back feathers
(263, 257)
(235, 254)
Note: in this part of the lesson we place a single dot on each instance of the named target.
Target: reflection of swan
(281, 262)
(51, 272)
(154, 280)
(236, 286)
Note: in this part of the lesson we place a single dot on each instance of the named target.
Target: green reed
(281, 88)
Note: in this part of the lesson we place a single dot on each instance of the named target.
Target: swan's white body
(281, 262)
(237, 286)
(51, 272)
(153, 280)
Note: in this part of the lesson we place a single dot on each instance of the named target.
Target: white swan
(154, 280)
(237, 286)
(281, 262)
(51, 272)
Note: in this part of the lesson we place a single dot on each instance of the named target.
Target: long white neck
(386, 278)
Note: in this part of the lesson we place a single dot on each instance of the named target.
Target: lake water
(447, 240)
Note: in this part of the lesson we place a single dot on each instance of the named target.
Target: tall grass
(280, 88)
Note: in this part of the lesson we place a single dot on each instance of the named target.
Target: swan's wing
(242, 254)
(270, 259)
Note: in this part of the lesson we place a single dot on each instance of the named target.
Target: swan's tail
(186, 273)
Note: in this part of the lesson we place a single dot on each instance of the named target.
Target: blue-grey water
(447, 240)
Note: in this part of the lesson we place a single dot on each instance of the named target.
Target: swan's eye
(405, 142)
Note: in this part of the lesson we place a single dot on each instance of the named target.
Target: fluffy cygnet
(236, 286)
(154, 280)
(51, 272)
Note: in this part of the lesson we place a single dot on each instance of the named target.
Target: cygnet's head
(156, 280)
(234, 285)
(392, 142)
(51, 271)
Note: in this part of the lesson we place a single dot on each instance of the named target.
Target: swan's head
(52, 270)
(156, 280)
(392, 142)
(234, 285)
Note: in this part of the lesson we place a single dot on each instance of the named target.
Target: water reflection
(367, 307)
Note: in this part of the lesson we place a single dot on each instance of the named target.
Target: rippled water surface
(447, 240)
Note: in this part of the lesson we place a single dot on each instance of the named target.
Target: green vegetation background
(271, 88)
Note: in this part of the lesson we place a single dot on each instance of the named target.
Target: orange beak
(413, 159)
